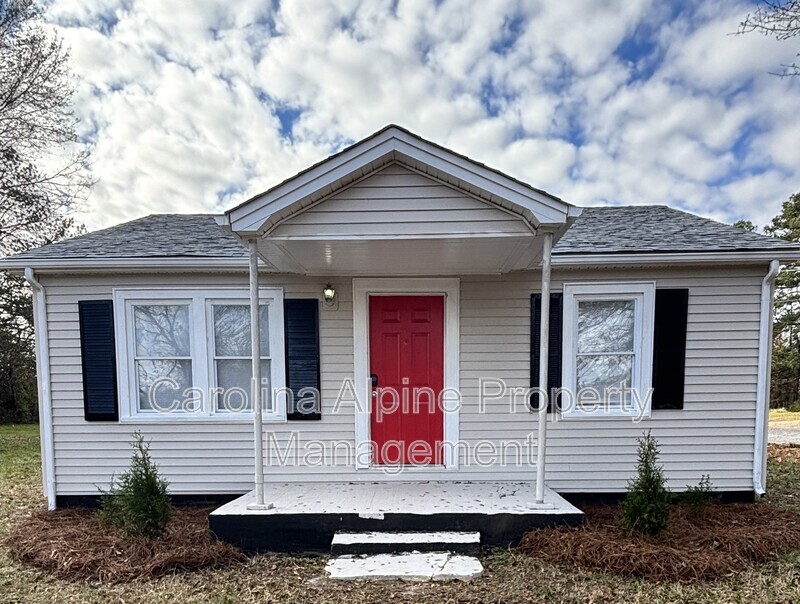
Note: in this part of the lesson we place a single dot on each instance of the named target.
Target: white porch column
(544, 337)
(255, 350)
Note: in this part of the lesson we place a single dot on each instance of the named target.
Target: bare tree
(778, 19)
(43, 173)
(44, 178)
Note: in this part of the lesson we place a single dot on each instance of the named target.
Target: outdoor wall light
(329, 295)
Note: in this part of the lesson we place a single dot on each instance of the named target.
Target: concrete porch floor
(306, 516)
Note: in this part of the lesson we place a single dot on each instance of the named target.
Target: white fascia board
(122, 264)
(486, 179)
(652, 258)
(251, 215)
(93, 265)
(574, 212)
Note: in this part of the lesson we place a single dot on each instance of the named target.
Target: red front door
(406, 356)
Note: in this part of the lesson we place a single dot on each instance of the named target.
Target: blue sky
(193, 106)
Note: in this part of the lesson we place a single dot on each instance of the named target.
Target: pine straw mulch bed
(74, 544)
(722, 540)
(780, 453)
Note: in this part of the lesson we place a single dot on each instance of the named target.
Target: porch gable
(393, 144)
(396, 201)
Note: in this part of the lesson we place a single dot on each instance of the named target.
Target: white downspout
(544, 340)
(43, 387)
(255, 350)
(764, 370)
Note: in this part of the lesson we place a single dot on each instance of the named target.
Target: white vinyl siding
(398, 201)
(713, 434)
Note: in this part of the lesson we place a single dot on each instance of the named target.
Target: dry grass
(20, 473)
(74, 544)
(724, 539)
(509, 577)
(778, 416)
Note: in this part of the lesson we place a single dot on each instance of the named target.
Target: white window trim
(643, 292)
(362, 289)
(199, 341)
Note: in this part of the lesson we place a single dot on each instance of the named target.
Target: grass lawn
(509, 577)
(784, 416)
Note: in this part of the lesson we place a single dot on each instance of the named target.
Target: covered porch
(397, 215)
(305, 517)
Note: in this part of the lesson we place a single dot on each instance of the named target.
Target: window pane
(232, 330)
(233, 376)
(605, 371)
(161, 384)
(605, 325)
(162, 330)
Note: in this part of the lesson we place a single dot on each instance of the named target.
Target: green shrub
(645, 508)
(138, 502)
(697, 498)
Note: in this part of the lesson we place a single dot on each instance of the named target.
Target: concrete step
(415, 566)
(394, 543)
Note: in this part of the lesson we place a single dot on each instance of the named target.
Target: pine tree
(746, 225)
(646, 505)
(785, 390)
(138, 503)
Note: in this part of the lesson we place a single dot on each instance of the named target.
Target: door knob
(374, 379)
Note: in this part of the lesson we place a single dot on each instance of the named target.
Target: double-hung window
(187, 354)
(608, 349)
(232, 360)
(162, 359)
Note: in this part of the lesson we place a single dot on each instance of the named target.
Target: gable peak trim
(383, 147)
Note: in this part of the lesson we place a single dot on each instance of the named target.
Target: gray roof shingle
(632, 229)
(154, 236)
(626, 229)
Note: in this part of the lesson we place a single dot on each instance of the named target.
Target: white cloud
(714, 57)
(540, 161)
(181, 102)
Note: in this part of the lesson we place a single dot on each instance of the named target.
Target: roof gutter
(764, 370)
(563, 260)
(155, 264)
(560, 260)
(43, 386)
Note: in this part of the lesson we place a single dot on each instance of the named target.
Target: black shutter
(553, 349)
(98, 357)
(669, 348)
(301, 321)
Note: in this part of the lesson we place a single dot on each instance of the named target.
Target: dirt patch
(724, 540)
(74, 544)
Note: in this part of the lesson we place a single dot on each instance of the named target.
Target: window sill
(206, 419)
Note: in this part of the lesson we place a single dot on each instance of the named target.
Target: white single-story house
(413, 305)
